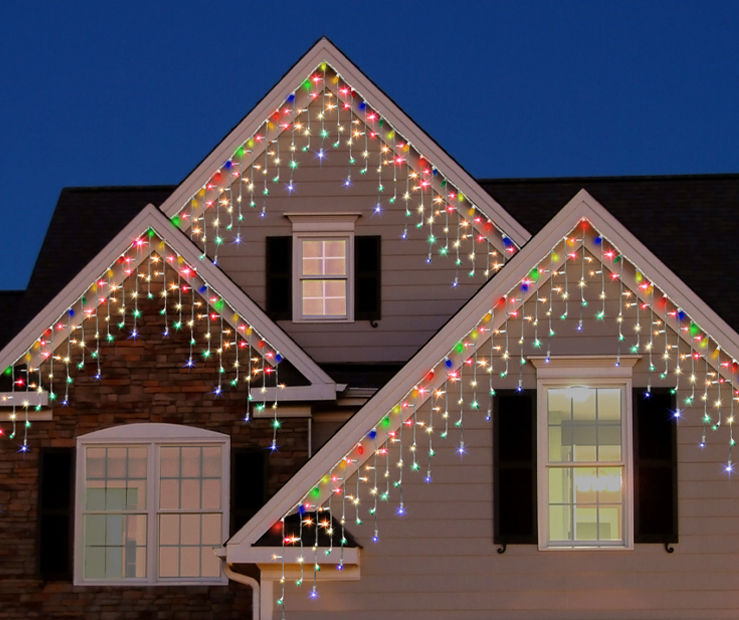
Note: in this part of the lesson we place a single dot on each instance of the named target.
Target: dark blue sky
(119, 93)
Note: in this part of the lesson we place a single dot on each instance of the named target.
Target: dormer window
(323, 277)
(324, 271)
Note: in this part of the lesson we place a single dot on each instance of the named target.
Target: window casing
(151, 503)
(323, 267)
(585, 460)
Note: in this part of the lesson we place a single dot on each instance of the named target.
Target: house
(332, 375)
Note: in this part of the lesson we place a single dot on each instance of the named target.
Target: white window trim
(328, 226)
(152, 435)
(589, 371)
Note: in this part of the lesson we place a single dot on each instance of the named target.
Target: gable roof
(84, 221)
(582, 206)
(324, 51)
(688, 221)
(150, 218)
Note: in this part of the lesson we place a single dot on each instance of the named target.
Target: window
(584, 461)
(585, 466)
(323, 266)
(151, 503)
(584, 454)
(323, 277)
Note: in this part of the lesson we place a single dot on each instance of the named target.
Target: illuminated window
(585, 466)
(585, 456)
(323, 266)
(151, 504)
(323, 278)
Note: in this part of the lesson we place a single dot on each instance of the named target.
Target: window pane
(560, 485)
(116, 463)
(169, 529)
(190, 562)
(95, 495)
(169, 562)
(312, 249)
(169, 495)
(609, 404)
(95, 529)
(136, 463)
(212, 532)
(169, 462)
(211, 494)
(335, 249)
(560, 523)
(94, 562)
(95, 465)
(336, 307)
(212, 462)
(211, 565)
(191, 462)
(190, 499)
(190, 529)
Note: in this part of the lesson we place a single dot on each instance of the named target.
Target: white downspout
(247, 581)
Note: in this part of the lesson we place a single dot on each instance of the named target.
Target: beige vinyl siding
(417, 297)
(438, 561)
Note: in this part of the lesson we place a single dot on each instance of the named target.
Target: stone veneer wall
(143, 380)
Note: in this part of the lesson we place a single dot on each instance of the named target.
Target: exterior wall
(144, 380)
(408, 281)
(439, 561)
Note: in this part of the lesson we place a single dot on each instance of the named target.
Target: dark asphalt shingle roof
(690, 222)
(84, 221)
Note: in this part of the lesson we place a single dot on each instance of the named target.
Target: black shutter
(514, 467)
(278, 277)
(367, 278)
(248, 485)
(655, 467)
(56, 513)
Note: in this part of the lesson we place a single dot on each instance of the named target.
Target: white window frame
(592, 372)
(322, 227)
(153, 436)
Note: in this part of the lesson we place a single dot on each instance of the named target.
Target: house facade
(332, 375)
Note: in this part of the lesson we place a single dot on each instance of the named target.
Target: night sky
(124, 93)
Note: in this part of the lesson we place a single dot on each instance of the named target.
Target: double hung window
(151, 503)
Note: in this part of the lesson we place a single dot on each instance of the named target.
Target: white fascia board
(315, 391)
(151, 217)
(582, 206)
(325, 51)
(71, 292)
(657, 272)
(24, 399)
(292, 555)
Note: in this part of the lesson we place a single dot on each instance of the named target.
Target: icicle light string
(466, 350)
(326, 84)
(70, 329)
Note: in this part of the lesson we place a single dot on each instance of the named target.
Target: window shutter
(514, 467)
(56, 513)
(367, 278)
(248, 485)
(278, 277)
(655, 467)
